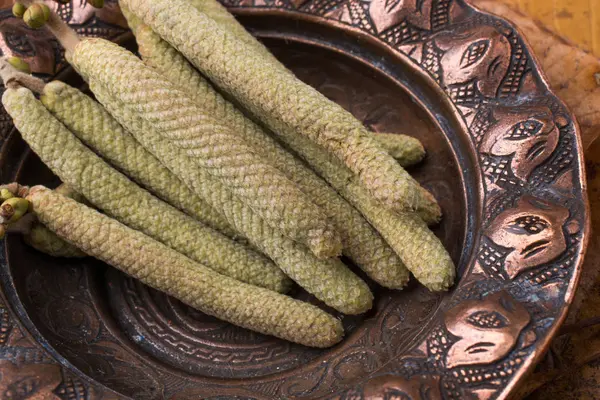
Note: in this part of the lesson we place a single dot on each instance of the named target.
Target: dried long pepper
(209, 143)
(218, 13)
(405, 149)
(166, 270)
(94, 126)
(328, 280)
(43, 239)
(132, 21)
(46, 241)
(361, 242)
(114, 193)
(215, 11)
(420, 250)
(283, 103)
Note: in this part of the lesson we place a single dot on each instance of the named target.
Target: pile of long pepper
(169, 182)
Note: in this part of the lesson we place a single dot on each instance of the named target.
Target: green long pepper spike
(283, 103)
(114, 193)
(164, 269)
(328, 280)
(44, 240)
(405, 149)
(361, 243)
(94, 126)
(420, 250)
(218, 13)
(132, 20)
(209, 143)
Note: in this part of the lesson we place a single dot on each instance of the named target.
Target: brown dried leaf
(571, 71)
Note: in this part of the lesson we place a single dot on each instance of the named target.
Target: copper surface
(504, 161)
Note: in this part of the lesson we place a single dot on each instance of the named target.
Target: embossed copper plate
(504, 160)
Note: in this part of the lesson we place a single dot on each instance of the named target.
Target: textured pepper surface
(113, 192)
(46, 241)
(210, 144)
(420, 250)
(282, 102)
(405, 149)
(94, 126)
(171, 272)
(132, 20)
(361, 242)
(218, 13)
(71, 193)
(328, 280)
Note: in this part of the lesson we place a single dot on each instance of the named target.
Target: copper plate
(504, 160)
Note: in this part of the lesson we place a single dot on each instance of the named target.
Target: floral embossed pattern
(523, 220)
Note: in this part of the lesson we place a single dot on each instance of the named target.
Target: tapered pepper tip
(361, 302)
(325, 243)
(52, 92)
(333, 337)
(430, 211)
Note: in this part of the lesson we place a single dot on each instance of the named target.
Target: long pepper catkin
(218, 13)
(281, 101)
(131, 19)
(43, 239)
(210, 144)
(328, 280)
(166, 270)
(114, 193)
(405, 149)
(46, 241)
(361, 242)
(420, 250)
(71, 193)
(94, 126)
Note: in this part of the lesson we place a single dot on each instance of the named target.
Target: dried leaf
(570, 70)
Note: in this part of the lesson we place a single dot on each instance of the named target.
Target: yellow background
(578, 20)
